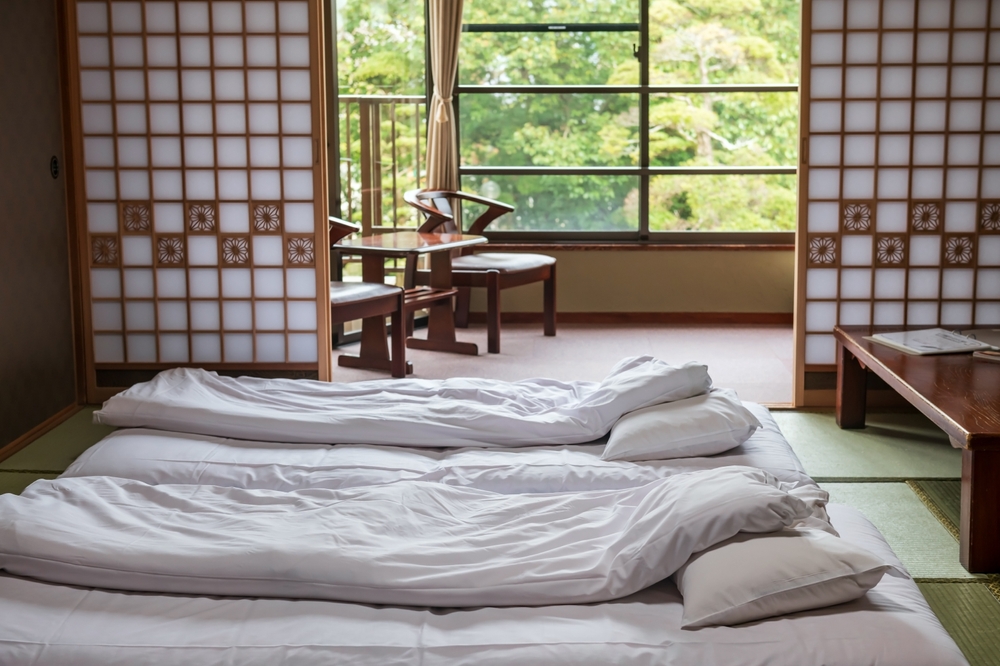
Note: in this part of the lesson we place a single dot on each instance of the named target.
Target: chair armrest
(494, 208)
(341, 229)
(433, 217)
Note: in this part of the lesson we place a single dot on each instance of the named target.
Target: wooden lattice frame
(157, 238)
(917, 231)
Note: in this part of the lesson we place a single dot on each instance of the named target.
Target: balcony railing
(381, 157)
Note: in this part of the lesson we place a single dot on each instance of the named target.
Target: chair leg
(550, 303)
(408, 317)
(493, 312)
(398, 362)
(462, 304)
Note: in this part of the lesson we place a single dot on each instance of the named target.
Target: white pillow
(754, 576)
(700, 426)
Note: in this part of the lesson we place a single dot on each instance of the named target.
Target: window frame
(644, 171)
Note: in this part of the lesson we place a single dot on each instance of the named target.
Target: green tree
(380, 47)
(692, 42)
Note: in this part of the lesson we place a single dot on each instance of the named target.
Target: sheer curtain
(442, 142)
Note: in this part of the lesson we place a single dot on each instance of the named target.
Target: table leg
(493, 311)
(852, 382)
(441, 315)
(979, 549)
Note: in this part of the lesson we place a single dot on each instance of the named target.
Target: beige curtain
(442, 143)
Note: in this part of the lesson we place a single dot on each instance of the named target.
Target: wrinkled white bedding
(154, 456)
(408, 412)
(405, 543)
(66, 625)
(58, 625)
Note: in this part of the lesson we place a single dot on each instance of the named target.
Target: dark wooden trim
(222, 367)
(48, 424)
(773, 318)
(528, 246)
(69, 175)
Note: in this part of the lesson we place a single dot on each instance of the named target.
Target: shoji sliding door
(900, 168)
(200, 186)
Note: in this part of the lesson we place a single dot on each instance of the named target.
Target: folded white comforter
(408, 412)
(406, 543)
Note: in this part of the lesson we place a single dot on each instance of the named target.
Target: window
(617, 119)
(381, 69)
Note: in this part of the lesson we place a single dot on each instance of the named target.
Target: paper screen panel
(201, 181)
(900, 203)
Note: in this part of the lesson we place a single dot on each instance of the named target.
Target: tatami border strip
(933, 508)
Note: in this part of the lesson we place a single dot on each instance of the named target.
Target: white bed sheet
(154, 457)
(54, 625)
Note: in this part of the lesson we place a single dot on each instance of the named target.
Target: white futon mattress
(53, 625)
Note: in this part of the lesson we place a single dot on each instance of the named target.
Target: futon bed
(110, 620)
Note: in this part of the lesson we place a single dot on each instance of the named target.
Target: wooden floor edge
(48, 424)
(773, 318)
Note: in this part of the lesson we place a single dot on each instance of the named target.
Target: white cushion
(755, 576)
(700, 426)
(505, 262)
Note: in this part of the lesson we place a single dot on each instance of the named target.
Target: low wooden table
(961, 395)
(437, 297)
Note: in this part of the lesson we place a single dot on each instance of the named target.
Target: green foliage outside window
(691, 42)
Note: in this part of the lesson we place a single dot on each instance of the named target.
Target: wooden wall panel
(36, 355)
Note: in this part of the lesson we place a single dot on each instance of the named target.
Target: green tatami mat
(923, 544)
(946, 495)
(971, 615)
(892, 446)
(15, 482)
(56, 449)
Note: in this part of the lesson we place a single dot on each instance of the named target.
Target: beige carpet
(756, 361)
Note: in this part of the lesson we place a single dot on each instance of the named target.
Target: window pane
(745, 129)
(723, 42)
(548, 58)
(549, 130)
(722, 203)
(551, 11)
(380, 47)
(559, 203)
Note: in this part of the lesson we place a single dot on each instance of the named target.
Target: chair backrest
(340, 229)
(436, 209)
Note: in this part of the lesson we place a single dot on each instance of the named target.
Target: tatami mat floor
(891, 446)
(890, 470)
(904, 475)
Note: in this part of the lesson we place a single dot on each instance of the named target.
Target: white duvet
(408, 412)
(404, 543)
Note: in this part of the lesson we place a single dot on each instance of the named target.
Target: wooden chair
(493, 270)
(361, 300)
